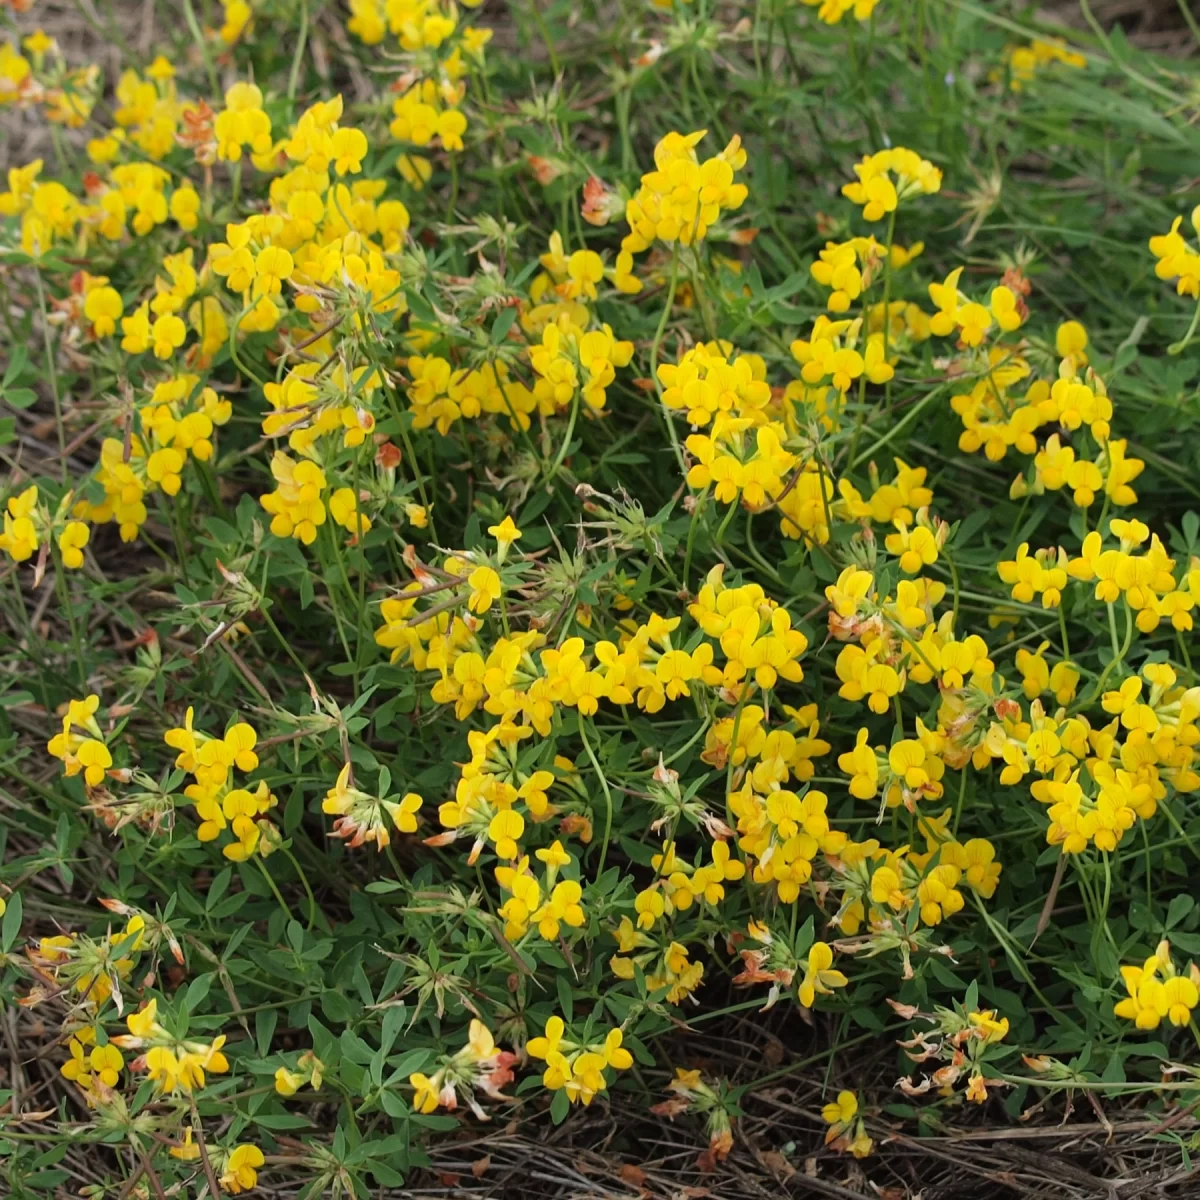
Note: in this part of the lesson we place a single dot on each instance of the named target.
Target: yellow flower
(505, 534)
(485, 588)
(404, 814)
(71, 542)
(425, 1092)
(818, 977)
(987, 1027)
(187, 1150)
(842, 1110)
(240, 1172)
(103, 307)
(288, 1083)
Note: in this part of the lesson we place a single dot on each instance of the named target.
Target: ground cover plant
(535, 534)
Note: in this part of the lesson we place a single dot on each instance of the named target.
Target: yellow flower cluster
(996, 419)
(485, 807)
(443, 51)
(1177, 259)
(647, 668)
(888, 177)
(211, 761)
(848, 268)
(963, 1040)
(1024, 62)
(777, 962)
(548, 905)
(1095, 784)
(682, 197)
(360, 815)
(92, 1067)
(479, 1064)
(579, 1068)
(27, 526)
(441, 394)
(178, 421)
(846, 1129)
(80, 746)
(1146, 582)
(832, 11)
(173, 1064)
(1158, 991)
(133, 197)
(67, 96)
(93, 968)
(570, 361)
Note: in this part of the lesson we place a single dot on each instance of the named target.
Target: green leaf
(383, 886)
(560, 1106)
(17, 359)
(218, 888)
(11, 928)
(198, 991)
(281, 1121)
(502, 324)
(393, 1022)
(566, 999)
(383, 1174)
(410, 1062)
(1179, 908)
(265, 1021)
(20, 397)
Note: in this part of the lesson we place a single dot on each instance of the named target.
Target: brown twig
(204, 1160)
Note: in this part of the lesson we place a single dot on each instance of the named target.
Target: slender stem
(1180, 346)
(337, 608)
(720, 538)
(298, 57)
(189, 14)
(287, 646)
(544, 30)
(958, 806)
(52, 371)
(887, 300)
(64, 600)
(691, 538)
(312, 903)
(608, 805)
(275, 890)
(654, 348)
(1190, 19)
(359, 534)
(566, 442)
(452, 203)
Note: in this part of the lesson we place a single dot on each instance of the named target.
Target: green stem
(720, 538)
(52, 371)
(287, 646)
(189, 14)
(691, 538)
(298, 57)
(654, 348)
(64, 600)
(271, 884)
(887, 299)
(544, 30)
(333, 600)
(1181, 346)
(552, 474)
(608, 805)
(312, 903)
